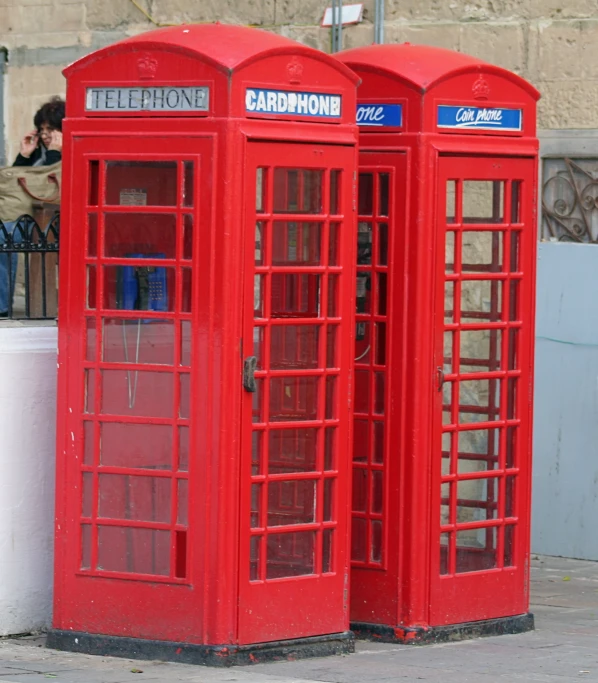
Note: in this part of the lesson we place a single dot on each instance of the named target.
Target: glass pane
(360, 489)
(450, 252)
(361, 396)
(359, 535)
(378, 452)
(331, 411)
(90, 339)
(185, 396)
(509, 553)
(92, 234)
(483, 201)
(515, 249)
(333, 303)
(447, 440)
(447, 403)
(137, 341)
(444, 551)
(183, 449)
(255, 550)
(257, 402)
(514, 300)
(364, 243)
(94, 181)
(376, 542)
(328, 505)
(187, 293)
(480, 350)
(477, 500)
(332, 346)
(85, 546)
(476, 550)
(479, 400)
(88, 443)
(260, 242)
(335, 189)
(478, 450)
(136, 392)
(361, 440)
(512, 388)
(131, 550)
(187, 237)
(188, 183)
(481, 300)
(260, 189)
(139, 288)
(329, 448)
(510, 498)
(516, 201)
(293, 398)
(144, 446)
(294, 346)
(333, 250)
(142, 499)
(291, 554)
(380, 355)
(91, 286)
(183, 502)
(296, 243)
(256, 505)
(382, 278)
(90, 392)
(257, 452)
(383, 179)
(511, 455)
(292, 450)
(141, 183)
(377, 492)
(259, 282)
(259, 338)
(297, 190)
(449, 302)
(448, 352)
(379, 392)
(382, 244)
(186, 342)
(451, 188)
(482, 251)
(366, 194)
(327, 550)
(87, 495)
(295, 295)
(139, 235)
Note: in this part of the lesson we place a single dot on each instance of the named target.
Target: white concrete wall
(27, 452)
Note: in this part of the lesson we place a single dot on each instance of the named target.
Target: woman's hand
(55, 143)
(29, 144)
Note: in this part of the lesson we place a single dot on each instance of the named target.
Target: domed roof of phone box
(423, 67)
(225, 47)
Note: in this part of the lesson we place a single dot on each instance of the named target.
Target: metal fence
(29, 269)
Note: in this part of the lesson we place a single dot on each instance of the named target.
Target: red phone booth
(444, 345)
(206, 349)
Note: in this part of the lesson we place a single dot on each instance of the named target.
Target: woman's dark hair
(50, 113)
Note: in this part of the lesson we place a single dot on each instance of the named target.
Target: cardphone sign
(284, 102)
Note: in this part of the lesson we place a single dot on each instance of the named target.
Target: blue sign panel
(479, 118)
(288, 103)
(380, 115)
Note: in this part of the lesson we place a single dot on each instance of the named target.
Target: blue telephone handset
(142, 288)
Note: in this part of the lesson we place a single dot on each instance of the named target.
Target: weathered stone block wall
(552, 43)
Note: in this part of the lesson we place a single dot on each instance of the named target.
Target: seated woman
(41, 147)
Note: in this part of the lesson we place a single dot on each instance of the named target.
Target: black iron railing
(30, 293)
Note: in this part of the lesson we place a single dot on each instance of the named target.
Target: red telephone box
(206, 327)
(444, 345)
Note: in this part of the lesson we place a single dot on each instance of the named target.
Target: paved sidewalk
(563, 648)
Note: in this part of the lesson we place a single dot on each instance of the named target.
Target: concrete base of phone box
(442, 634)
(207, 655)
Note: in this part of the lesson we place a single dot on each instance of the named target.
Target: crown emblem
(295, 71)
(481, 89)
(147, 67)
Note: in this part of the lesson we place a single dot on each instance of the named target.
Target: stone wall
(552, 43)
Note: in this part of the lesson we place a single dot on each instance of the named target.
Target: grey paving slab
(562, 649)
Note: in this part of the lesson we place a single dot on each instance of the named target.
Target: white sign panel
(284, 102)
(350, 14)
(161, 99)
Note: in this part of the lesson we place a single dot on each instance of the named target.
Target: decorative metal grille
(37, 248)
(570, 200)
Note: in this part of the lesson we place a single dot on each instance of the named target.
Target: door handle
(439, 378)
(249, 365)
